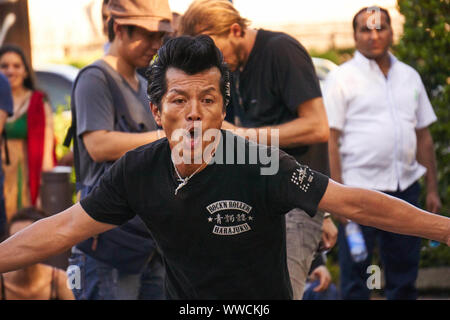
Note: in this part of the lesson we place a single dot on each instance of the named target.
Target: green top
(18, 128)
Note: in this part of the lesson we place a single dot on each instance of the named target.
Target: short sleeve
(295, 186)
(93, 102)
(294, 72)
(6, 101)
(334, 101)
(108, 201)
(425, 114)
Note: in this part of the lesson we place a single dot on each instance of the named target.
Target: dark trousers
(399, 256)
(100, 281)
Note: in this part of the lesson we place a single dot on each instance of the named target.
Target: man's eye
(208, 101)
(178, 101)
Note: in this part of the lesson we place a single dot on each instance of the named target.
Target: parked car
(56, 81)
(323, 67)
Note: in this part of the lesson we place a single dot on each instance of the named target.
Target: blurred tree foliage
(425, 46)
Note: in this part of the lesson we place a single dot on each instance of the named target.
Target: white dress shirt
(377, 117)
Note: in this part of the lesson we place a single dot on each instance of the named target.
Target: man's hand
(329, 234)
(323, 275)
(433, 202)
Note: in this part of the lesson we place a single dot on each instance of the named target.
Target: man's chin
(375, 54)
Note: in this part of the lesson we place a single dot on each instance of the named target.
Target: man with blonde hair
(274, 86)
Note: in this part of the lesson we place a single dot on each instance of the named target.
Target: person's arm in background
(335, 162)
(426, 157)
(329, 233)
(49, 139)
(322, 274)
(95, 120)
(6, 102)
(319, 271)
(297, 85)
(310, 127)
(105, 145)
(335, 158)
(3, 117)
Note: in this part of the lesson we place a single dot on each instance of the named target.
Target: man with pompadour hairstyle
(274, 86)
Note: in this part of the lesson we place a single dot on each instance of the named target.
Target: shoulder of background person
(278, 41)
(406, 68)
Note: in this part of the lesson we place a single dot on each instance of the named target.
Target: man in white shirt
(379, 114)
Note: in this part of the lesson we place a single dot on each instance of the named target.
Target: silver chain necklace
(184, 181)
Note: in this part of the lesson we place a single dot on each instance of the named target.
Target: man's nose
(194, 112)
(374, 33)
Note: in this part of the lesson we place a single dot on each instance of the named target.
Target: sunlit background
(67, 29)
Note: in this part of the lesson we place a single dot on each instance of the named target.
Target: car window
(57, 88)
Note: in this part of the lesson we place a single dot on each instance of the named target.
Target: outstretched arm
(376, 209)
(48, 237)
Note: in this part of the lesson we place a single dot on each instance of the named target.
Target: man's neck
(126, 70)
(249, 43)
(384, 63)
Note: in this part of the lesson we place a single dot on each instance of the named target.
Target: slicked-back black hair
(191, 55)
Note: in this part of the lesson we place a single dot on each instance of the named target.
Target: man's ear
(156, 114)
(118, 30)
(236, 30)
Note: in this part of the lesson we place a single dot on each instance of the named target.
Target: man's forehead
(209, 78)
(362, 18)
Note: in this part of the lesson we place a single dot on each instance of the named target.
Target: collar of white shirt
(371, 64)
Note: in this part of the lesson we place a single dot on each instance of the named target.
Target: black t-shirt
(223, 235)
(279, 75)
